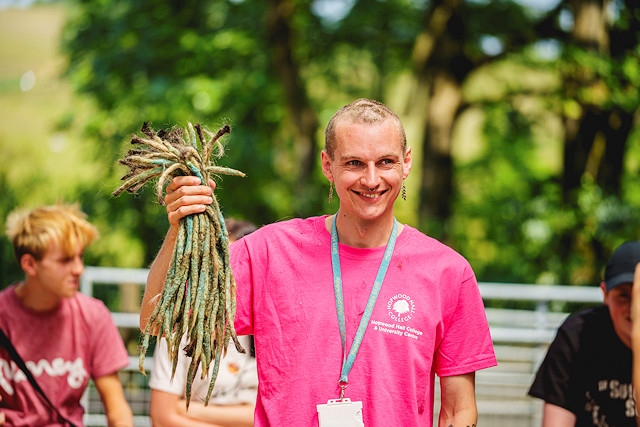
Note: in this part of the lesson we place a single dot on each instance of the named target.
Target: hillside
(40, 150)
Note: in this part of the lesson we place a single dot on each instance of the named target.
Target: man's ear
(406, 163)
(28, 264)
(325, 161)
(603, 288)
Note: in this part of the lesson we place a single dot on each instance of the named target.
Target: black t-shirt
(587, 371)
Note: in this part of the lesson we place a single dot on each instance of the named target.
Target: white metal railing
(527, 326)
(520, 337)
(111, 275)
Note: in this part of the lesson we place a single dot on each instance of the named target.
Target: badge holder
(340, 413)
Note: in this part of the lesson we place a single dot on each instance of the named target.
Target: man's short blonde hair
(32, 231)
(361, 111)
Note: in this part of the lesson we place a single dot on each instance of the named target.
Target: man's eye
(624, 297)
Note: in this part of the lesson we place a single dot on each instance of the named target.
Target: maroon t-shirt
(63, 349)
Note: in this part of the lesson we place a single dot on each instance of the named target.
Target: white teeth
(370, 196)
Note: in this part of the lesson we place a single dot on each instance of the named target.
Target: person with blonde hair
(55, 339)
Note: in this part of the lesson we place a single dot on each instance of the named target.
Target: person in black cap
(585, 378)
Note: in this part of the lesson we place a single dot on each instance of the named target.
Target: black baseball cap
(622, 264)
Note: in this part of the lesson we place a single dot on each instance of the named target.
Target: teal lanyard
(347, 360)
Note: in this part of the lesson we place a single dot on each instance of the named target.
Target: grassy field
(40, 160)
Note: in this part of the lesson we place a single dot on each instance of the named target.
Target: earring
(404, 192)
(330, 191)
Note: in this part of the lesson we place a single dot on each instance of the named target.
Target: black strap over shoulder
(13, 353)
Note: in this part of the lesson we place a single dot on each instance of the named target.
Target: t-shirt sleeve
(240, 261)
(160, 378)
(109, 352)
(552, 381)
(466, 344)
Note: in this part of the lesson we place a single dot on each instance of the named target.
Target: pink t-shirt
(63, 349)
(428, 319)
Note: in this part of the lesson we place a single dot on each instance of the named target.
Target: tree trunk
(620, 124)
(595, 134)
(582, 123)
(439, 66)
(302, 115)
(436, 184)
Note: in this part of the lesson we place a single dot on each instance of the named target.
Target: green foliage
(212, 62)
(168, 63)
(510, 213)
(605, 82)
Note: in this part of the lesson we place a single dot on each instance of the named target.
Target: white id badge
(340, 413)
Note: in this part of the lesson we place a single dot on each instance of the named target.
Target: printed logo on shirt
(56, 368)
(401, 307)
(396, 329)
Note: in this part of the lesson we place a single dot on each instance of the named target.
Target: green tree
(601, 71)
(276, 69)
(594, 95)
(200, 61)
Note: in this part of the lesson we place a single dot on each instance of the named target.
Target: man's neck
(362, 234)
(33, 298)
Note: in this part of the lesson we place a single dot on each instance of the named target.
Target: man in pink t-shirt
(65, 338)
(353, 313)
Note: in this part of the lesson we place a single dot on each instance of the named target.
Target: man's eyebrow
(384, 156)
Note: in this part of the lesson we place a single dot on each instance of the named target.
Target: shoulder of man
(591, 318)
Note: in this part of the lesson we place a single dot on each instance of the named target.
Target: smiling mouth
(371, 195)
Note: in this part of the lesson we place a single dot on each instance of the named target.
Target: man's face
(57, 274)
(368, 168)
(618, 300)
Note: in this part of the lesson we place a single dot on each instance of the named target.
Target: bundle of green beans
(198, 298)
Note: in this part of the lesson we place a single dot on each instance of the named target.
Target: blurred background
(522, 115)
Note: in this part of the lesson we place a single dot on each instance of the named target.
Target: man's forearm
(157, 277)
(120, 416)
(460, 419)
